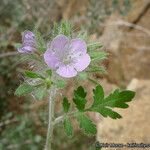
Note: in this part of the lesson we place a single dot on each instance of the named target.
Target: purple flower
(67, 56)
(28, 42)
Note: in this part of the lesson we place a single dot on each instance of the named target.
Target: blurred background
(123, 28)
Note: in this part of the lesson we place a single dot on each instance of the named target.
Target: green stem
(50, 119)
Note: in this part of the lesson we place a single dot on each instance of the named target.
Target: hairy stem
(50, 119)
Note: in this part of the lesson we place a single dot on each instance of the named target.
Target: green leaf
(55, 30)
(98, 55)
(60, 84)
(68, 127)
(83, 35)
(32, 74)
(80, 103)
(24, 89)
(86, 124)
(94, 46)
(40, 41)
(79, 98)
(40, 92)
(98, 95)
(64, 27)
(105, 112)
(116, 99)
(66, 105)
(94, 69)
(49, 72)
(80, 92)
(119, 99)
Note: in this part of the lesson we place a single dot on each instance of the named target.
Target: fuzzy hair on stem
(51, 107)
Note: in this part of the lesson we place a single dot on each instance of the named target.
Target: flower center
(67, 60)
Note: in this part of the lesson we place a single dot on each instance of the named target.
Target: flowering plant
(67, 57)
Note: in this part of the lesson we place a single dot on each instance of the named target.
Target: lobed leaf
(68, 127)
(24, 89)
(98, 95)
(80, 92)
(40, 92)
(66, 105)
(119, 99)
(79, 98)
(32, 74)
(116, 99)
(86, 124)
(105, 112)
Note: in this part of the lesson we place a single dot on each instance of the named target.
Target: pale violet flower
(28, 42)
(67, 56)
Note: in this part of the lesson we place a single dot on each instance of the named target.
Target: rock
(134, 126)
(138, 9)
(73, 7)
(128, 44)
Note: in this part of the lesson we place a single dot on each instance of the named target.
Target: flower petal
(82, 62)
(78, 46)
(29, 42)
(67, 71)
(51, 59)
(58, 43)
(28, 36)
(26, 49)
